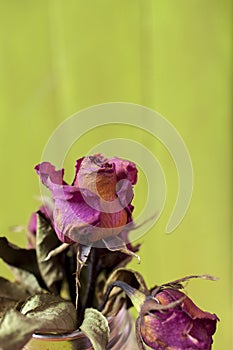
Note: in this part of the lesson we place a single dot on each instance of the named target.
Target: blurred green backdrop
(58, 57)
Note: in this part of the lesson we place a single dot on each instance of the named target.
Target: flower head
(172, 321)
(167, 319)
(97, 204)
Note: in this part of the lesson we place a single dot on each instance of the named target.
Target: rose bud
(97, 204)
(170, 320)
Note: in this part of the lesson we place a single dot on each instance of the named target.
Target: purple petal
(77, 168)
(174, 330)
(79, 208)
(48, 174)
(166, 330)
(74, 218)
(72, 214)
(125, 193)
(187, 305)
(124, 169)
(202, 331)
(183, 326)
(87, 169)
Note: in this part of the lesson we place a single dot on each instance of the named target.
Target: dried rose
(97, 204)
(168, 319)
(180, 325)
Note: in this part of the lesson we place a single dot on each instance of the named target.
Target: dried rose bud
(181, 325)
(168, 319)
(97, 204)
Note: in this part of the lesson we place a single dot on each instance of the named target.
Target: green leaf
(16, 330)
(95, 327)
(58, 315)
(46, 240)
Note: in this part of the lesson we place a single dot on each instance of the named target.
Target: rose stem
(90, 287)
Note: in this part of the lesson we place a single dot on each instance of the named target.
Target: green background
(174, 56)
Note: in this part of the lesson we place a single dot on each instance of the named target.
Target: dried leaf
(117, 296)
(16, 330)
(178, 284)
(109, 260)
(134, 278)
(188, 278)
(46, 241)
(5, 305)
(12, 290)
(58, 315)
(24, 259)
(95, 327)
(117, 244)
(136, 296)
(10, 295)
(27, 280)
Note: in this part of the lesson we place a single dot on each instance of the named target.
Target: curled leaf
(117, 296)
(95, 327)
(134, 278)
(136, 296)
(178, 284)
